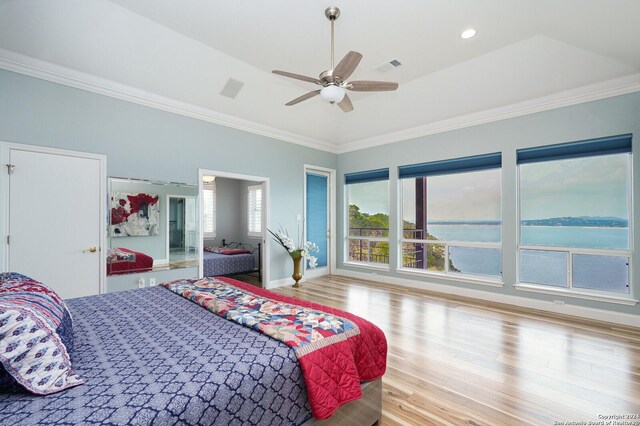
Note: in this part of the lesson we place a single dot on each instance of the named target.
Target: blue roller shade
(367, 176)
(587, 148)
(456, 165)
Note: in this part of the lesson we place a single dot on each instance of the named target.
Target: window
(209, 206)
(452, 216)
(575, 215)
(254, 211)
(367, 239)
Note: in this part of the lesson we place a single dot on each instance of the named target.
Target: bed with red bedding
(212, 352)
(336, 350)
(124, 261)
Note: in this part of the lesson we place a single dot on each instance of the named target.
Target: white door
(55, 211)
(319, 218)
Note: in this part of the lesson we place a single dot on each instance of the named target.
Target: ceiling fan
(335, 80)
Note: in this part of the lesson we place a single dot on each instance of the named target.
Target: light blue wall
(147, 143)
(606, 117)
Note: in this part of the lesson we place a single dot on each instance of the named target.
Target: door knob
(91, 249)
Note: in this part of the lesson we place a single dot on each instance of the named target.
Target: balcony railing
(419, 250)
(369, 245)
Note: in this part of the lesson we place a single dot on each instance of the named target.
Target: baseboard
(284, 282)
(524, 302)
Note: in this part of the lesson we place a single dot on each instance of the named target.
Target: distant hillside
(591, 221)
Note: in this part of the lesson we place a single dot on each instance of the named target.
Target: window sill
(367, 265)
(621, 300)
(475, 279)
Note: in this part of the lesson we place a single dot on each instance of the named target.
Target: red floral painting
(134, 215)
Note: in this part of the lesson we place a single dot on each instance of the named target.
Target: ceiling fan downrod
(332, 13)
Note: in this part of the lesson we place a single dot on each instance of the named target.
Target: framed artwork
(134, 215)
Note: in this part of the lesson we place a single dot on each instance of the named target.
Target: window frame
(348, 238)
(252, 189)
(570, 290)
(491, 280)
(205, 233)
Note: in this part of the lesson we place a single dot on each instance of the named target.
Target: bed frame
(365, 411)
(236, 245)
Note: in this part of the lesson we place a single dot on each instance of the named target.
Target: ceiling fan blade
(297, 76)
(347, 65)
(303, 97)
(345, 104)
(371, 86)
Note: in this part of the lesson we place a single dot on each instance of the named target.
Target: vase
(297, 274)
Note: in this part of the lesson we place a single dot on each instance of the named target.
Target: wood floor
(456, 361)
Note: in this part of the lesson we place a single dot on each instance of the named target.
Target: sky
(371, 197)
(457, 197)
(593, 186)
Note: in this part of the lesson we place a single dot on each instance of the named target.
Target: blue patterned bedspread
(151, 357)
(214, 264)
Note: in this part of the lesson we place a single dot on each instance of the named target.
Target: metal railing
(369, 245)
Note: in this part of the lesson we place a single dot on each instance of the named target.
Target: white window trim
(491, 280)
(251, 232)
(569, 290)
(454, 276)
(209, 186)
(599, 296)
(368, 265)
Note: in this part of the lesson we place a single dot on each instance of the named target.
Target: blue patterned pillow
(36, 337)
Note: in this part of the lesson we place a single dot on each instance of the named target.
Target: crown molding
(27, 65)
(593, 92)
(32, 67)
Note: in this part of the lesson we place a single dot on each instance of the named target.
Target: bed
(150, 356)
(124, 261)
(231, 259)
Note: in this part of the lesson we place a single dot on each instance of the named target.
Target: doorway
(319, 217)
(54, 204)
(177, 208)
(181, 224)
(254, 226)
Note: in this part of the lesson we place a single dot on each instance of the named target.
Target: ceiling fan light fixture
(332, 93)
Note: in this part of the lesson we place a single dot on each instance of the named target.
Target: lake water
(543, 267)
(558, 236)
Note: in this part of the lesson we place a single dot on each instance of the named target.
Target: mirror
(152, 226)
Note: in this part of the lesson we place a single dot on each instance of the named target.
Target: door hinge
(10, 168)
(7, 239)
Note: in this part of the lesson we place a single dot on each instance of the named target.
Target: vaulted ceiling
(528, 55)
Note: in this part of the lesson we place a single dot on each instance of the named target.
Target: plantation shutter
(209, 209)
(254, 214)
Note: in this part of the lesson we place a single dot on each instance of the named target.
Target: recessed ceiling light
(468, 33)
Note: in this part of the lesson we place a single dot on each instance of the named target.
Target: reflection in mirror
(152, 226)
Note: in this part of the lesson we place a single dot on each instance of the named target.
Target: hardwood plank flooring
(457, 361)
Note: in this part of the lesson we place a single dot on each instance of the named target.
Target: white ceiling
(528, 55)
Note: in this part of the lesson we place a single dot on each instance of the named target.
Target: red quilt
(139, 262)
(336, 350)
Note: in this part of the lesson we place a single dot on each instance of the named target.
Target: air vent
(388, 66)
(232, 88)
